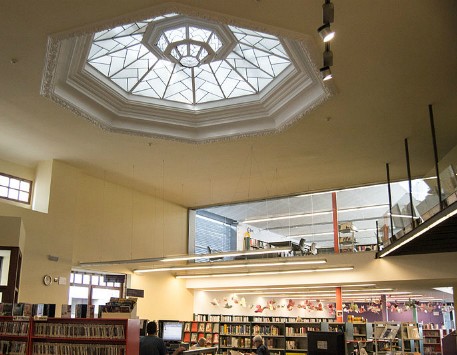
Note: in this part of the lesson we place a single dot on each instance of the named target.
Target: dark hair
(152, 327)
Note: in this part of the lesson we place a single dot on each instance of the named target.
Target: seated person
(201, 343)
(261, 348)
(151, 344)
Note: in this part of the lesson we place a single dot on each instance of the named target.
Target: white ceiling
(391, 60)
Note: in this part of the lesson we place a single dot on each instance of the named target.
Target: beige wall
(93, 220)
(90, 219)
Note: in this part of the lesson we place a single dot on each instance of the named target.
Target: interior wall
(90, 219)
(165, 297)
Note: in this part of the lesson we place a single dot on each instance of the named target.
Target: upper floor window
(15, 188)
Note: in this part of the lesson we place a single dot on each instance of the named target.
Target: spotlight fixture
(326, 73)
(326, 32)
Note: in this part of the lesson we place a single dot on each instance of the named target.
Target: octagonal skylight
(184, 75)
(186, 60)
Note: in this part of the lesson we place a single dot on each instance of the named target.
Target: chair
(210, 251)
(304, 249)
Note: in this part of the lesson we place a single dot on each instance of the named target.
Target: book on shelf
(6, 309)
(209, 327)
(84, 311)
(65, 311)
(413, 332)
(187, 327)
(215, 338)
(186, 338)
(49, 310)
(201, 327)
(215, 327)
(194, 327)
(193, 337)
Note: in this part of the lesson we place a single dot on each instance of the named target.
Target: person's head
(201, 342)
(257, 340)
(151, 328)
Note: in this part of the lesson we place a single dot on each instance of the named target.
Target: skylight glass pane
(119, 55)
(175, 35)
(3, 191)
(194, 49)
(183, 50)
(215, 43)
(162, 43)
(175, 54)
(199, 34)
(203, 54)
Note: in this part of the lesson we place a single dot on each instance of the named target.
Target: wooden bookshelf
(21, 335)
(14, 335)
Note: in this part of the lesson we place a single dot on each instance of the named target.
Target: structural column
(336, 241)
(339, 304)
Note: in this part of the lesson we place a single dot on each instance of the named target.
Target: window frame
(10, 188)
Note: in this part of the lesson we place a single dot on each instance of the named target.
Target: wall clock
(47, 280)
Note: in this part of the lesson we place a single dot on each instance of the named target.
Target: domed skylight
(187, 60)
(192, 76)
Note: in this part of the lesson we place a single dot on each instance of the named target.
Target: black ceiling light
(326, 73)
(326, 33)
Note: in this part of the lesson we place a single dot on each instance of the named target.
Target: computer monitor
(171, 330)
(329, 343)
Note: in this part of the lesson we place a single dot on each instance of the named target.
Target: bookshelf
(359, 334)
(78, 335)
(296, 335)
(14, 335)
(386, 337)
(235, 335)
(411, 338)
(432, 340)
(272, 334)
(192, 331)
(346, 238)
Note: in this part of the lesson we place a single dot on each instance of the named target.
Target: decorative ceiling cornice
(70, 83)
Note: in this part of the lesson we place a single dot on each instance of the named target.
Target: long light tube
(232, 266)
(263, 273)
(223, 255)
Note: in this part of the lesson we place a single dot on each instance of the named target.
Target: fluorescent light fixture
(403, 216)
(264, 273)
(189, 257)
(326, 32)
(232, 266)
(417, 233)
(226, 254)
(267, 219)
(300, 295)
(286, 288)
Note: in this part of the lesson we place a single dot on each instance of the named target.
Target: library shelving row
(280, 334)
(192, 331)
(432, 341)
(392, 337)
(28, 335)
(288, 335)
